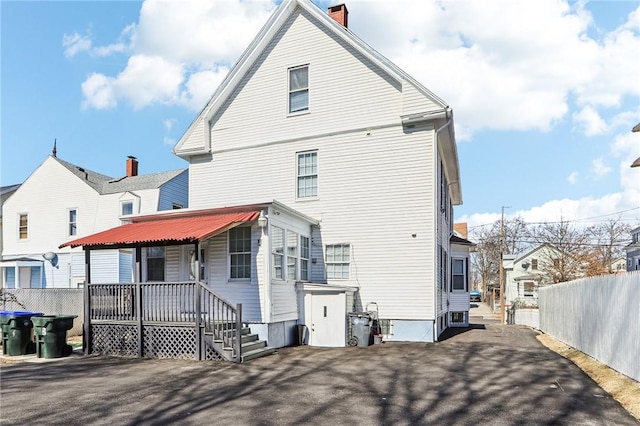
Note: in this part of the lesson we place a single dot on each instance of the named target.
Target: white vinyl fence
(49, 301)
(599, 316)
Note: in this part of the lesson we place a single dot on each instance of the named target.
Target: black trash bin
(302, 334)
(17, 332)
(51, 335)
(359, 329)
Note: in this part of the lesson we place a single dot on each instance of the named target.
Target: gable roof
(104, 184)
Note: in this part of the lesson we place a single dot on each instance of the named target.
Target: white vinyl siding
(389, 199)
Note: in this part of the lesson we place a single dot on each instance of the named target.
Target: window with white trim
(126, 208)
(23, 226)
(292, 255)
(307, 174)
(240, 252)
(458, 275)
(534, 264)
(304, 258)
(277, 251)
(338, 261)
(299, 89)
(73, 222)
(528, 288)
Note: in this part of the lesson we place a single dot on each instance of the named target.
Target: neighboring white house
(59, 201)
(344, 172)
(524, 273)
(633, 251)
(5, 193)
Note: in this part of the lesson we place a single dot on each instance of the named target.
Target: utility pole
(502, 319)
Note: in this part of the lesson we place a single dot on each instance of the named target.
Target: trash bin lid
(19, 314)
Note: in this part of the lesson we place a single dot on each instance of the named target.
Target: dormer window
(298, 89)
(127, 208)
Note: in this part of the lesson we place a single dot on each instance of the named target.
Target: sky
(544, 92)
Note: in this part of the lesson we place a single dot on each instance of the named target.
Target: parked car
(475, 296)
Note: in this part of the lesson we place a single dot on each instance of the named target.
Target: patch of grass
(622, 388)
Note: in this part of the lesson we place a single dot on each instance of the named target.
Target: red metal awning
(167, 230)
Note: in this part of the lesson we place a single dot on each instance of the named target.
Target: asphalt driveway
(488, 375)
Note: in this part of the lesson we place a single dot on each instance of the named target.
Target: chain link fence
(49, 301)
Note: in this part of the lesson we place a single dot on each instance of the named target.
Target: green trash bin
(17, 332)
(51, 335)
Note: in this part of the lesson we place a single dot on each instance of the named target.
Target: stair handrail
(221, 318)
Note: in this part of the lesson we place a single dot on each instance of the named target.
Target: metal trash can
(51, 335)
(302, 334)
(17, 332)
(359, 329)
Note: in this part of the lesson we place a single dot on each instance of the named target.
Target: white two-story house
(60, 201)
(322, 180)
(633, 251)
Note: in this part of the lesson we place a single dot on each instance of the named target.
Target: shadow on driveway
(488, 374)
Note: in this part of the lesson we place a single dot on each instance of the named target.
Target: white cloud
(75, 43)
(572, 178)
(599, 168)
(168, 124)
(624, 149)
(98, 92)
(590, 121)
(496, 67)
(192, 43)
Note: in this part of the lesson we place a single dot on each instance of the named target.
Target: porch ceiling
(169, 230)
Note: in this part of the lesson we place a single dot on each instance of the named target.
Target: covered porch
(168, 312)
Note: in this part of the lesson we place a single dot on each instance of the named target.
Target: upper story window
(126, 208)
(338, 261)
(23, 226)
(534, 264)
(298, 89)
(240, 252)
(73, 222)
(155, 263)
(307, 180)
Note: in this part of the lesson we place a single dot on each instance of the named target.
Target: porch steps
(252, 346)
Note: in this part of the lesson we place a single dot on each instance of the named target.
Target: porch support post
(198, 306)
(238, 342)
(86, 324)
(138, 280)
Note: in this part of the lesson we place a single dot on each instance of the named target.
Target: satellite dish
(51, 257)
(525, 265)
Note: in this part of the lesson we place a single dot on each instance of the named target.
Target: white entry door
(328, 313)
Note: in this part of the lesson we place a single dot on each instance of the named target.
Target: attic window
(298, 89)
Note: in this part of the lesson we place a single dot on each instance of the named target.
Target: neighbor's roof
(104, 184)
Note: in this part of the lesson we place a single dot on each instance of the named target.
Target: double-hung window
(338, 261)
(240, 252)
(458, 275)
(307, 174)
(298, 89)
(23, 226)
(73, 222)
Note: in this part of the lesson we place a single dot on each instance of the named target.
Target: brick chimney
(339, 13)
(132, 166)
